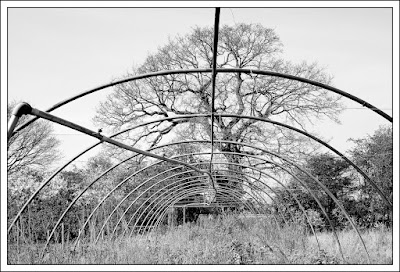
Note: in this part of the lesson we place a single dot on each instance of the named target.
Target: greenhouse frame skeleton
(180, 188)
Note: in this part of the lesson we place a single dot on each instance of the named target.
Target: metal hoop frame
(26, 109)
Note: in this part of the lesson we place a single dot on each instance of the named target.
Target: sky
(55, 53)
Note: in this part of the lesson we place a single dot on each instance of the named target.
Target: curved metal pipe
(167, 197)
(264, 173)
(132, 217)
(316, 199)
(204, 115)
(71, 205)
(175, 197)
(317, 182)
(102, 138)
(325, 189)
(161, 217)
(18, 111)
(102, 201)
(43, 185)
(318, 202)
(169, 177)
(138, 197)
(160, 213)
(219, 70)
(108, 194)
(171, 189)
(163, 214)
(301, 207)
(173, 200)
(119, 185)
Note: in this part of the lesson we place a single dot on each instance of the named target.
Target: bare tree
(34, 147)
(243, 46)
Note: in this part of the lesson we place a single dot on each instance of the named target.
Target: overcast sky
(56, 53)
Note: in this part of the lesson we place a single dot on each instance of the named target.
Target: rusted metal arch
(171, 196)
(138, 197)
(158, 215)
(264, 173)
(87, 187)
(145, 191)
(173, 202)
(15, 120)
(169, 177)
(71, 205)
(83, 191)
(202, 115)
(174, 193)
(316, 199)
(18, 111)
(157, 219)
(299, 131)
(174, 199)
(201, 186)
(384, 198)
(117, 186)
(93, 134)
(90, 216)
(209, 70)
(323, 187)
(177, 195)
(141, 194)
(190, 171)
(161, 211)
(121, 183)
(301, 207)
(171, 190)
(102, 138)
(285, 189)
(154, 194)
(27, 109)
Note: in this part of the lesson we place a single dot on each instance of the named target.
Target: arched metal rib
(219, 70)
(205, 115)
(169, 190)
(175, 197)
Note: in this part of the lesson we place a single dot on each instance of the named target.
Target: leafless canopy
(243, 46)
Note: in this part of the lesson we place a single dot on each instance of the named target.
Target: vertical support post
(184, 214)
(18, 238)
(173, 216)
(68, 236)
(169, 220)
(62, 235)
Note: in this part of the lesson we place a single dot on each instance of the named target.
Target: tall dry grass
(228, 239)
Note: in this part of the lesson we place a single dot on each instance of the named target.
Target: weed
(228, 239)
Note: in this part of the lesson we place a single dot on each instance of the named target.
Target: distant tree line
(374, 155)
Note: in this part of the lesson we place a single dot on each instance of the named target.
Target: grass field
(226, 240)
